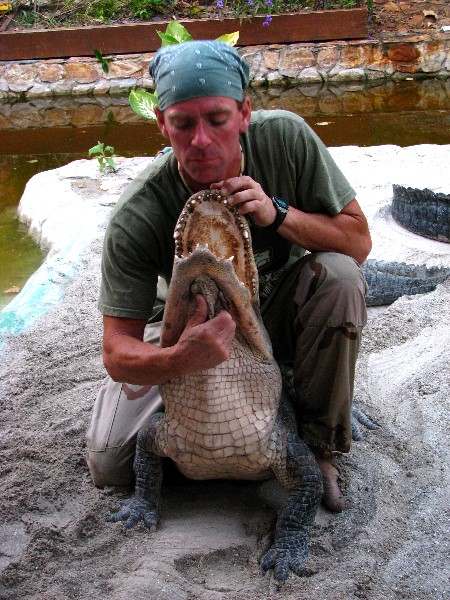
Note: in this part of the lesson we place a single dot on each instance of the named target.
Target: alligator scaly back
(230, 410)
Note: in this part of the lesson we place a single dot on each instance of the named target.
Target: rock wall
(421, 55)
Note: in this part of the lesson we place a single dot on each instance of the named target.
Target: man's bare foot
(332, 497)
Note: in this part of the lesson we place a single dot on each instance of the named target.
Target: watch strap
(282, 207)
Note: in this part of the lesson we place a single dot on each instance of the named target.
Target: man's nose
(201, 138)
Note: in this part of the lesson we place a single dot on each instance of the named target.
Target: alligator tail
(388, 281)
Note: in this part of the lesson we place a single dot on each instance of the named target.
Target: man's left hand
(249, 198)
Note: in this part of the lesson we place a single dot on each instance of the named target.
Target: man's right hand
(205, 343)
(202, 345)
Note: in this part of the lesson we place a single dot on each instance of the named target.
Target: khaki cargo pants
(314, 317)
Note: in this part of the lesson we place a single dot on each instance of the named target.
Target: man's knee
(341, 270)
(113, 466)
(119, 411)
(334, 293)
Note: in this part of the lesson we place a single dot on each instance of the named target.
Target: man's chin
(203, 179)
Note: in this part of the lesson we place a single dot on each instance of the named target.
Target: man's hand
(202, 345)
(205, 343)
(249, 198)
(346, 232)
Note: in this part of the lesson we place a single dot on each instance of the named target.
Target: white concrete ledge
(67, 208)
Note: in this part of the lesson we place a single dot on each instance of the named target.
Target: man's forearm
(346, 232)
(203, 344)
(132, 361)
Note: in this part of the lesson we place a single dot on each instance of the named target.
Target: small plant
(143, 103)
(104, 11)
(27, 18)
(102, 60)
(144, 10)
(105, 156)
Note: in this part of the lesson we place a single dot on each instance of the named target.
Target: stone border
(303, 63)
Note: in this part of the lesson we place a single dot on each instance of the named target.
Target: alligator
(425, 213)
(244, 428)
(388, 281)
(231, 421)
(422, 211)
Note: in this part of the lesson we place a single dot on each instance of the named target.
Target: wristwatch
(282, 207)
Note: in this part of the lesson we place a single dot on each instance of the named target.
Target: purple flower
(250, 2)
(269, 3)
(219, 3)
(267, 21)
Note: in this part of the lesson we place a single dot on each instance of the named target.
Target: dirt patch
(401, 18)
(388, 545)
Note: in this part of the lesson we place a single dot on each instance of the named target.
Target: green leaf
(98, 55)
(229, 38)
(109, 149)
(105, 67)
(167, 40)
(97, 149)
(111, 162)
(143, 103)
(177, 31)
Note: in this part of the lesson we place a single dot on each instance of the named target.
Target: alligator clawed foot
(287, 554)
(358, 416)
(134, 510)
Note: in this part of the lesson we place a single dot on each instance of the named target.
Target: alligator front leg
(144, 504)
(298, 472)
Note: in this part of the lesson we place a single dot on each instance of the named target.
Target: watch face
(282, 208)
(281, 203)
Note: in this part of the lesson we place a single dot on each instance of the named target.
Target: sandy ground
(391, 542)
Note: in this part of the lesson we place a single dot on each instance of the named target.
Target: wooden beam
(345, 24)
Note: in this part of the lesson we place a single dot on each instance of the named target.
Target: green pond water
(403, 114)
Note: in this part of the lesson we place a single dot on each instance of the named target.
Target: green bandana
(197, 69)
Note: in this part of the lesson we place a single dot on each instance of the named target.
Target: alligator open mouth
(214, 258)
(208, 221)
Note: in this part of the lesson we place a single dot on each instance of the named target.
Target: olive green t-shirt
(281, 153)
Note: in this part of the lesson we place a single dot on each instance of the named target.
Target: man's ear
(160, 122)
(246, 113)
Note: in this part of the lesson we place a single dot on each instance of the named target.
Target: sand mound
(391, 543)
